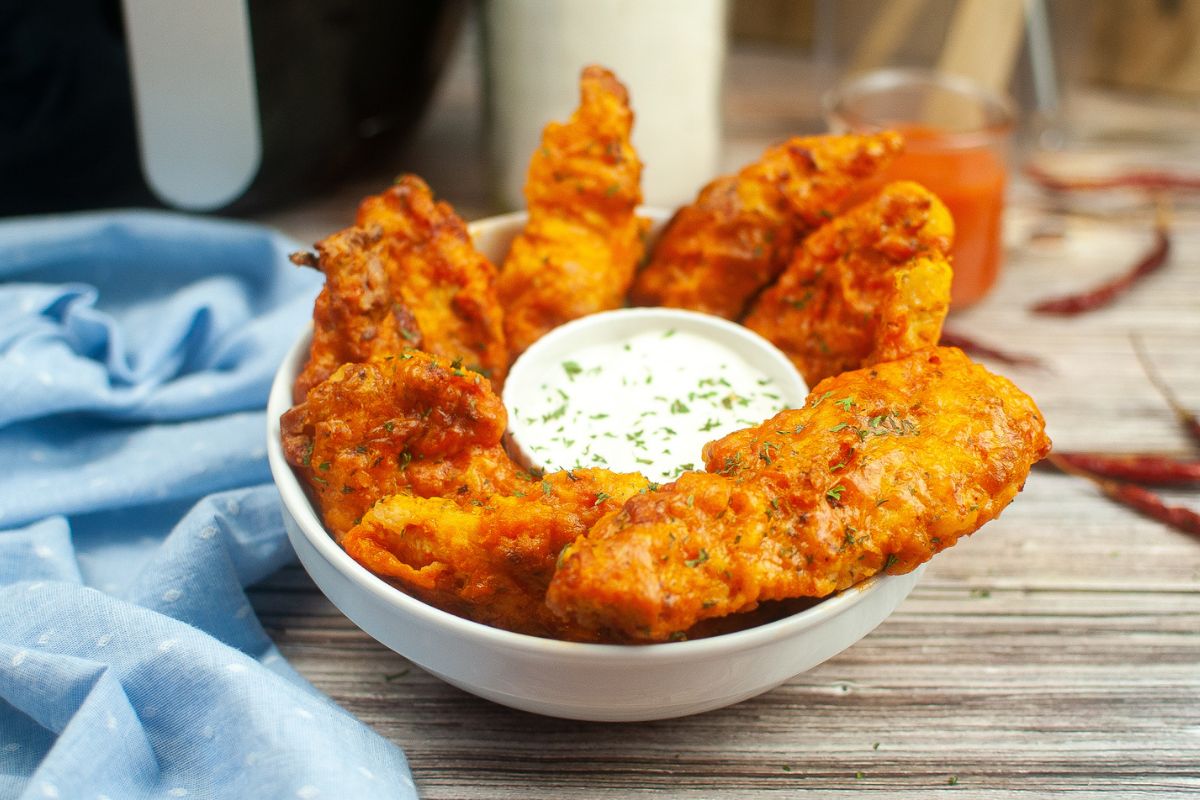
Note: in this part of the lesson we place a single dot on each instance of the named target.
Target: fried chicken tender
(717, 253)
(404, 424)
(882, 468)
(489, 562)
(406, 275)
(583, 242)
(873, 285)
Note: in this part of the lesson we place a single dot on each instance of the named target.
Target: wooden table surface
(1055, 653)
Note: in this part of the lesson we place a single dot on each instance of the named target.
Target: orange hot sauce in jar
(957, 136)
(970, 181)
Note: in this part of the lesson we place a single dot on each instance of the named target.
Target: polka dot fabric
(136, 350)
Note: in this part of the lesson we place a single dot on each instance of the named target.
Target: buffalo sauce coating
(872, 285)
(578, 251)
(490, 560)
(408, 423)
(405, 275)
(716, 254)
(881, 469)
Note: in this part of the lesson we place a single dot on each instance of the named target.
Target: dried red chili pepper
(1159, 470)
(1151, 505)
(1110, 290)
(1186, 418)
(1142, 500)
(976, 348)
(1148, 180)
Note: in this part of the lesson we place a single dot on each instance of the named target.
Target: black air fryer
(206, 105)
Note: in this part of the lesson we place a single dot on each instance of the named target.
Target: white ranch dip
(645, 397)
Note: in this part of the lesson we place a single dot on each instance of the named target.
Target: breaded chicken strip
(409, 423)
(406, 275)
(579, 249)
(873, 285)
(717, 253)
(489, 562)
(881, 469)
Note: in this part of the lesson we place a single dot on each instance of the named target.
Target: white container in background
(669, 53)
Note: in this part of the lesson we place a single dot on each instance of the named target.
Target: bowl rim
(296, 503)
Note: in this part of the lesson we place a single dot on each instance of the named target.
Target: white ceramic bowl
(567, 679)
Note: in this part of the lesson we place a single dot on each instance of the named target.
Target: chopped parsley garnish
(698, 560)
(801, 302)
(555, 414)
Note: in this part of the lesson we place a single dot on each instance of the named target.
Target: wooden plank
(1070, 687)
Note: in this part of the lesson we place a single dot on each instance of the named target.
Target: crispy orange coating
(873, 285)
(579, 249)
(717, 253)
(406, 275)
(882, 468)
(409, 423)
(489, 562)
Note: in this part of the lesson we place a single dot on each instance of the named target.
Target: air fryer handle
(192, 63)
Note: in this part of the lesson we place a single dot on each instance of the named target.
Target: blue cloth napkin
(136, 352)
